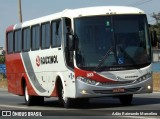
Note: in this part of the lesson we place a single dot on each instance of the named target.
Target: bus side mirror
(71, 42)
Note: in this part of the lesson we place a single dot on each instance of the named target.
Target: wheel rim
(26, 94)
(62, 94)
(63, 97)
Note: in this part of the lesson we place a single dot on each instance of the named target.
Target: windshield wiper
(129, 57)
(103, 59)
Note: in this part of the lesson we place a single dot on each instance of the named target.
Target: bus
(78, 54)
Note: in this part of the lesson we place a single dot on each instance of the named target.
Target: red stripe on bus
(94, 75)
(15, 72)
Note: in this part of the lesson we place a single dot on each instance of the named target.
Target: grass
(3, 83)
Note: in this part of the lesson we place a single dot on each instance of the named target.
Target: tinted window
(35, 37)
(26, 39)
(46, 35)
(56, 33)
(18, 41)
(10, 42)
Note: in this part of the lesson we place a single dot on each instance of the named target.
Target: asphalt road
(98, 107)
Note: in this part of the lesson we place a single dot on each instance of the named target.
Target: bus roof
(82, 12)
(102, 10)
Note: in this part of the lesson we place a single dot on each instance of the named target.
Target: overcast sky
(36, 8)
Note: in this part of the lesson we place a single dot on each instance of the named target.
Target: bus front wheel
(65, 101)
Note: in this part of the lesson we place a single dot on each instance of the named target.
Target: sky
(32, 9)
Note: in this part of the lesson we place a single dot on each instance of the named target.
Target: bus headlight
(149, 87)
(86, 80)
(144, 77)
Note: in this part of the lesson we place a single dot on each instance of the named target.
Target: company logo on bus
(46, 60)
(38, 61)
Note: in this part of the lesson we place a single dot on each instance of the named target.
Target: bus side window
(59, 29)
(45, 43)
(53, 34)
(26, 39)
(18, 40)
(56, 33)
(10, 47)
(35, 43)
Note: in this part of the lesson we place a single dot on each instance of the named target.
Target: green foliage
(156, 26)
(2, 59)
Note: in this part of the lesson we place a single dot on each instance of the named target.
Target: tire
(65, 101)
(39, 100)
(28, 99)
(82, 101)
(126, 99)
(33, 100)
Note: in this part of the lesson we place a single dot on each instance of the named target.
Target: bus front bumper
(88, 90)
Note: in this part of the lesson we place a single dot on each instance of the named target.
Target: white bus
(79, 54)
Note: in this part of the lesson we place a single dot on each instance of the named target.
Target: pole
(20, 11)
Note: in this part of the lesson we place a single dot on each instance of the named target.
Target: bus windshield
(117, 42)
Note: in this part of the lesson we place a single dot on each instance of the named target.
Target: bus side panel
(55, 92)
(15, 72)
(21, 88)
(11, 68)
(11, 83)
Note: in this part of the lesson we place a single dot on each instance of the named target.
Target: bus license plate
(118, 90)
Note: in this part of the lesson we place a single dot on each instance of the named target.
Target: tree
(156, 17)
(156, 26)
(2, 59)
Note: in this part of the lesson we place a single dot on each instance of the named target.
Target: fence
(3, 69)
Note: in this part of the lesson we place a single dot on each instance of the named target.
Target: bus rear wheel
(33, 100)
(28, 99)
(126, 99)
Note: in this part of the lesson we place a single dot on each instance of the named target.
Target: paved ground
(97, 107)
